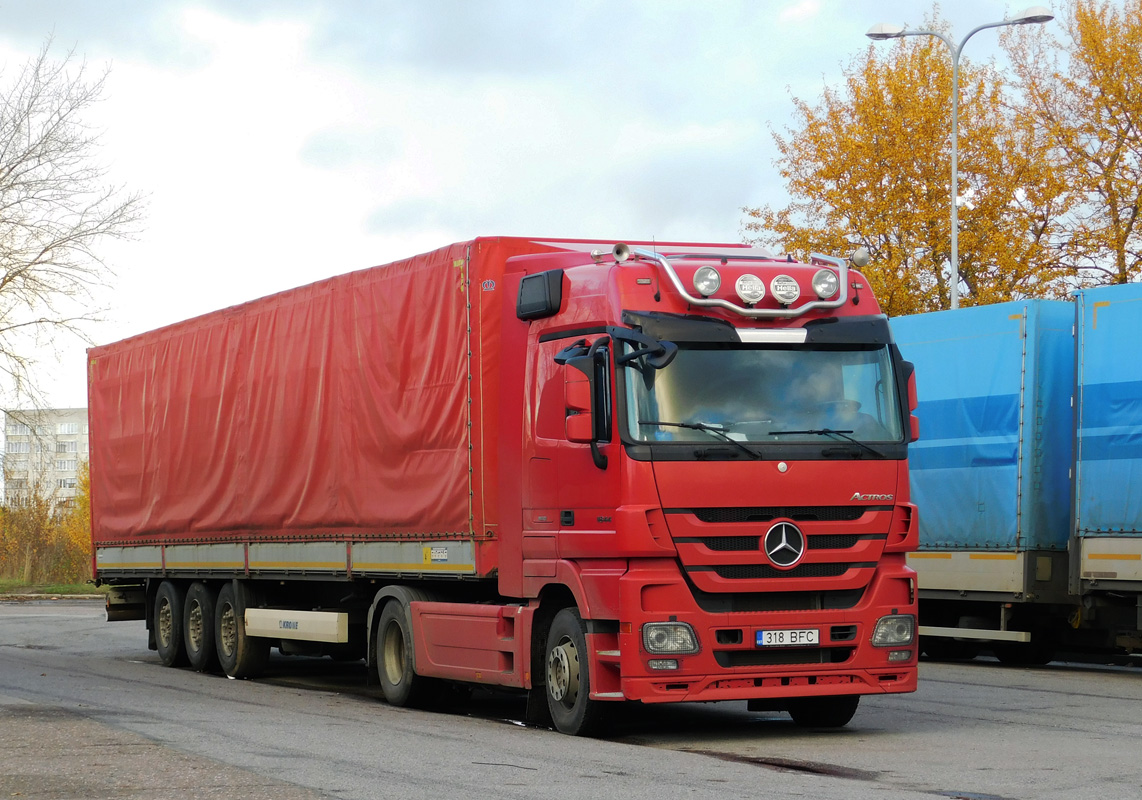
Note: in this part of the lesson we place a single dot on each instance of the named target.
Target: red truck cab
(712, 448)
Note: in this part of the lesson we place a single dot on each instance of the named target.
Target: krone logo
(859, 496)
(784, 545)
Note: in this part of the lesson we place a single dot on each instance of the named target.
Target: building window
(19, 447)
(65, 483)
(43, 430)
(67, 427)
(18, 429)
(67, 466)
(67, 447)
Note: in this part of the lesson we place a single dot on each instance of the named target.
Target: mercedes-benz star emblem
(784, 544)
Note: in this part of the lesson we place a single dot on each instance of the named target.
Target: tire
(395, 649)
(239, 655)
(168, 625)
(824, 712)
(198, 628)
(567, 677)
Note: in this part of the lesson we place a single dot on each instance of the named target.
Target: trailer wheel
(824, 712)
(568, 677)
(400, 683)
(240, 656)
(168, 625)
(198, 627)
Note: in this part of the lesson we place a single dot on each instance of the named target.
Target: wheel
(239, 655)
(168, 625)
(824, 712)
(401, 685)
(568, 678)
(198, 627)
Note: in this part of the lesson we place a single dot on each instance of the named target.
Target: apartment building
(43, 449)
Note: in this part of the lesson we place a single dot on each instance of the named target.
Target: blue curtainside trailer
(1023, 475)
(1107, 530)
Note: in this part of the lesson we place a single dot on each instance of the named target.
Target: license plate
(788, 638)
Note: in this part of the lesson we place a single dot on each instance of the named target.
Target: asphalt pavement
(50, 753)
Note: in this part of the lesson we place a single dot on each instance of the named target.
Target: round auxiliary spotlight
(750, 288)
(785, 289)
(825, 283)
(707, 281)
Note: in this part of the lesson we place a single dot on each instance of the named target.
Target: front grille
(729, 544)
(833, 541)
(795, 655)
(741, 572)
(768, 513)
(740, 544)
(755, 602)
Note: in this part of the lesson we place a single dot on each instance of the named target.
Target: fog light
(894, 630)
(663, 663)
(707, 281)
(899, 655)
(669, 638)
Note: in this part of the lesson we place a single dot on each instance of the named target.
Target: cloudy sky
(282, 141)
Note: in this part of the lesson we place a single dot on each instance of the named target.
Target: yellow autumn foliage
(1083, 82)
(43, 543)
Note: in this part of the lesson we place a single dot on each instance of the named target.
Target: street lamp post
(884, 30)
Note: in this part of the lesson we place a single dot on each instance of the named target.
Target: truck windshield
(765, 394)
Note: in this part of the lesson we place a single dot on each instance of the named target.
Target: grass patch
(14, 586)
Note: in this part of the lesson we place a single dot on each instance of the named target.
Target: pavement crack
(793, 765)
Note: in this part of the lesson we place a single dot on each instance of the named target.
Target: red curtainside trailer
(664, 473)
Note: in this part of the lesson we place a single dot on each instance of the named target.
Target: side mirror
(584, 387)
(913, 402)
(577, 397)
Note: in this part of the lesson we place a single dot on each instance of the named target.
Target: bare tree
(56, 207)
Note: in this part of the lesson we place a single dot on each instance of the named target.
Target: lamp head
(884, 30)
(1032, 15)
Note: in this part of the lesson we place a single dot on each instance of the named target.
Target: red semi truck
(669, 472)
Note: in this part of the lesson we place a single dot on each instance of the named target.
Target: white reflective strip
(781, 336)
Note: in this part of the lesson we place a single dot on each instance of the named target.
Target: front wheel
(568, 677)
(824, 712)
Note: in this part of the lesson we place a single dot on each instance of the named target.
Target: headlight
(894, 630)
(669, 638)
(707, 281)
(785, 289)
(825, 283)
(750, 288)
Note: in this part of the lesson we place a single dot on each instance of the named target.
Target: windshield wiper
(703, 426)
(830, 432)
